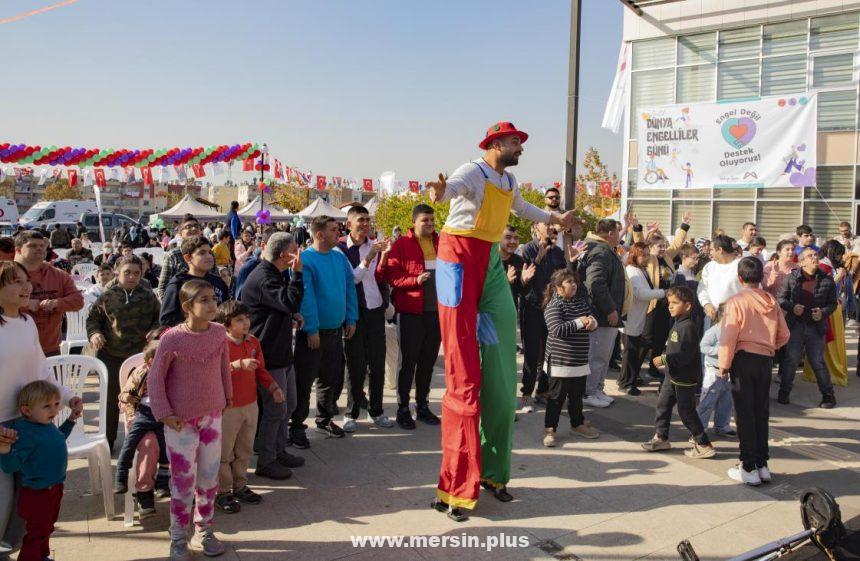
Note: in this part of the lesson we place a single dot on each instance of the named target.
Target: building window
(655, 53)
(775, 219)
(784, 74)
(695, 83)
(833, 70)
(697, 49)
(832, 182)
(650, 88)
(834, 32)
(784, 38)
(737, 80)
(837, 111)
(740, 43)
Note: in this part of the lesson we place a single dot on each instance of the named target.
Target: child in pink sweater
(189, 387)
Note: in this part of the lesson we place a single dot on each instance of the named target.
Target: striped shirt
(567, 340)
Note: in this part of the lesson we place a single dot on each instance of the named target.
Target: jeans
(601, 342)
(113, 365)
(716, 399)
(144, 422)
(751, 392)
(685, 398)
(365, 356)
(273, 434)
(805, 336)
(420, 339)
(533, 332)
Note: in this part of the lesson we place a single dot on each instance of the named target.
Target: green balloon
(52, 149)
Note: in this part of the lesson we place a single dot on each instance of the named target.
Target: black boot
(404, 418)
(145, 503)
(500, 493)
(426, 416)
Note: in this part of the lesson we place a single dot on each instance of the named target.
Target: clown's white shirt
(465, 190)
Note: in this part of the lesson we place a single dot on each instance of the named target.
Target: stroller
(822, 522)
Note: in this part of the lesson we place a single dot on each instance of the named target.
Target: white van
(49, 212)
(8, 212)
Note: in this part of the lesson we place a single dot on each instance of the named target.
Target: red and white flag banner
(101, 181)
(146, 174)
(72, 174)
(321, 182)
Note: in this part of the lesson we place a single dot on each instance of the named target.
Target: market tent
(372, 206)
(322, 207)
(277, 213)
(190, 205)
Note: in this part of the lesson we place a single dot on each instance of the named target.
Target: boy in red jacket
(409, 268)
(239, 422)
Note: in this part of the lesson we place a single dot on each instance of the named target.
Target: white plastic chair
(76, 329)
(85, 270)
(130, 364)
(72, 371)
(61, 253)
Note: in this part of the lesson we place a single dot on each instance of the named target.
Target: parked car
(110, 220)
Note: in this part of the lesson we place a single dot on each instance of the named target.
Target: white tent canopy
(277, 213)
(322, 207)
(188, 205)
(372, 206)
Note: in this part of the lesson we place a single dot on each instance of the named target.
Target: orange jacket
(752, 322)
(50, 283)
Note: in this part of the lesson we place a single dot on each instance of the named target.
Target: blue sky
(340, 87)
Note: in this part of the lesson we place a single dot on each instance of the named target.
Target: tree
(396, 210)
(595, 170)
(290, 196)
(60, 189)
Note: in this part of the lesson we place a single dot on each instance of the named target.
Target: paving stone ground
(598, 500)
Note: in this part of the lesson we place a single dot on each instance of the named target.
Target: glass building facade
(810, 54)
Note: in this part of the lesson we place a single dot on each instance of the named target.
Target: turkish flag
(100, 177)
(368, 184)
(321, 182)
(278, 170)
(73, 177)
(413, 186)
(146, 174)
(198, 170)
(606, 188)
(248, 165)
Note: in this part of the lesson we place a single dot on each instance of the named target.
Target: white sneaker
(594, 401)
(764, 474)
(738, 473)
(852, 324)
(381, 421)
(602, 396)
(526, 404)
(349, 424)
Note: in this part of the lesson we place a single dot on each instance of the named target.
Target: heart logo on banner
(739, 132)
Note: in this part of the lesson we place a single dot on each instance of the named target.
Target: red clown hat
(499, 130)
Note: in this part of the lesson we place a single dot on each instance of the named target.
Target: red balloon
(266, 167)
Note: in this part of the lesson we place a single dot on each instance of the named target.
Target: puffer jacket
(603, 275)
(824, 294)
(124, 318)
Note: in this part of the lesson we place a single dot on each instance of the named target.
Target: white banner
(767, 142)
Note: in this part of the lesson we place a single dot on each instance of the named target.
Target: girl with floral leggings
(189, 387)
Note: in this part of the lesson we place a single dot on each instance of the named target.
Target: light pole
(264, 155)
(569, 189)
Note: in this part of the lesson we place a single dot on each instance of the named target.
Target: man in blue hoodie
(330, 311)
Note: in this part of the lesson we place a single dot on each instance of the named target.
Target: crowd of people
(236, 328)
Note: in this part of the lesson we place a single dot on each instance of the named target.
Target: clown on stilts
(478, 321)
